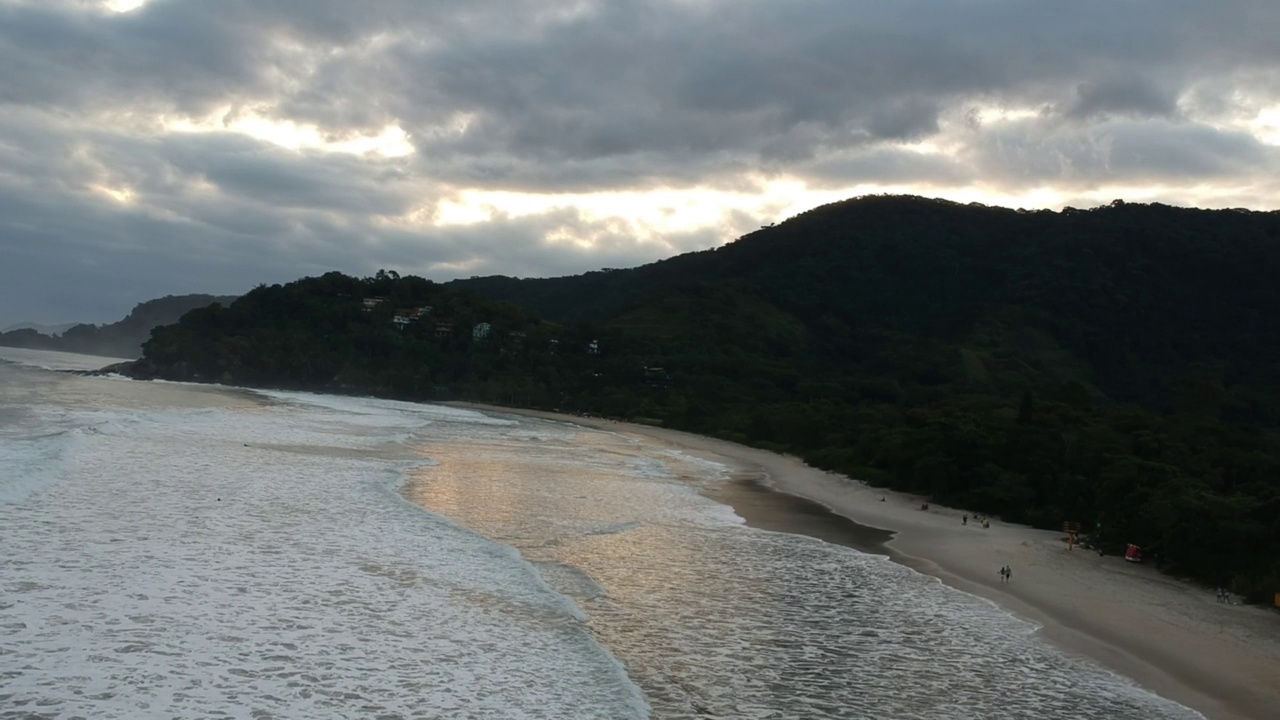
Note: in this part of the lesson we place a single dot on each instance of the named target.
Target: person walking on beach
(1002, 573)
(965, 520)
(1008, 574)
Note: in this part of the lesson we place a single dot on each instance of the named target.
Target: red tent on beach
(1133, 553)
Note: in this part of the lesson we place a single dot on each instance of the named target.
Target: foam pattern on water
(253, 560)
(31, 464)
(377, 412)
(37, 441)
(743, 634)
(714, 619)
(196, 564)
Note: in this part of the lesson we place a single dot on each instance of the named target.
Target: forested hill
(1135, 292)
(1119, 367)
(119, 339)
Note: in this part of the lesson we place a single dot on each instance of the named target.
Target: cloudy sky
(173, 146)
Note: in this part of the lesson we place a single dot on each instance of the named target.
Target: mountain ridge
(123, 338)
(40, 328)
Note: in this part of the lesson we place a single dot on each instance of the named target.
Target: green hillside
(1118, 367)
(1137, 293)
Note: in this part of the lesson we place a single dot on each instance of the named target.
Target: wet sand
(1168, 635)
(768, 509)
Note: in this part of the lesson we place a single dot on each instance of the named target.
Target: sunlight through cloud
(1267, 125)
(661, 209)
(124, 6)
(391, 142)
(123, 195)
(989, 115)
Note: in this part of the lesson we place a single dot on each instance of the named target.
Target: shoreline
(1166, 635)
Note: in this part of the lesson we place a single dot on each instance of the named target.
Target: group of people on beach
(1006, 574)
(1224, 595)
(986, 524)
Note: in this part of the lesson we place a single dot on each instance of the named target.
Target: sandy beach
(1170, 636)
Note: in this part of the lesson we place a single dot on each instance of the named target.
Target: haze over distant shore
(1166, 634)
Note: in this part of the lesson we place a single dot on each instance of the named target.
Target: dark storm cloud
(659, 85)
(549, 97)
(283, 179)
(732, 84)
(1126, 152)
(888, 165)
(1132, 95)
(179, 55)
(523, 247)
(186, 172)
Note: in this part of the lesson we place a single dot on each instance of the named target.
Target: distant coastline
(1167, 635)
(120, 339)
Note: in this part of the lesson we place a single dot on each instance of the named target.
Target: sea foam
(185, 564)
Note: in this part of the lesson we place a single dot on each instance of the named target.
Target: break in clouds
(178, 146)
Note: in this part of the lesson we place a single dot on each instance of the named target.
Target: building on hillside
(481, 331)
(444, 329)
(656, 376)
(372, 302)
(402, 318)
(420, 312)
(593, 347)
(516, 338)
(554, 346)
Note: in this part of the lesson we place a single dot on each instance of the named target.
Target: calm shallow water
(716, 619)
(197, 551)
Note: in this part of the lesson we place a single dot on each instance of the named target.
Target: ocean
(172, 550)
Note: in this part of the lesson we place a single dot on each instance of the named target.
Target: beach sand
(1168, 635)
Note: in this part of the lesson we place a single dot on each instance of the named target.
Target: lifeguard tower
(1072, 529)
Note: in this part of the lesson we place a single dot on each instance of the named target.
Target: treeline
(385, 335)
(1116, 367)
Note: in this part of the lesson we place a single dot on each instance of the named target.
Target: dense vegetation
(119, 339)
(1119, 367)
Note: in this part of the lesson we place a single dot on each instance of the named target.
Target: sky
(154, 147)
